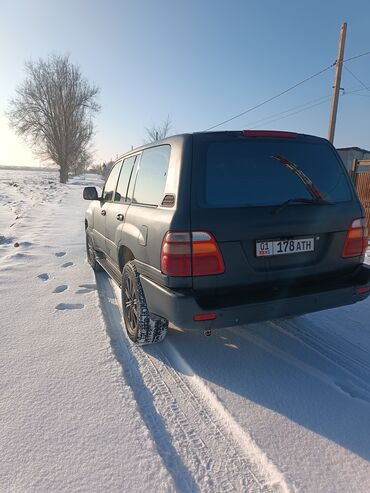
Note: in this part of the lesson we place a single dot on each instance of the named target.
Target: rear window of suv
(245, 173)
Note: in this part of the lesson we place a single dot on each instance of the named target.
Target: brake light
(204, 316)
(270, 133)
(363, 290)
(356, 239)
(176, 254)
(190, 253)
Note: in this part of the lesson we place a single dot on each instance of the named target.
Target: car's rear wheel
(91, 254)
(141, 326)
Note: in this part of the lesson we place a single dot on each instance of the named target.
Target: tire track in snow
(186, 420)
(182, 478)
(350, 358)
(347, 378)
(344, 353)
(239, 447)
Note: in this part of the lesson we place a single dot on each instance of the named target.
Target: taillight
(206, 256)
(186, 254)
(176, 254)
(356, 239)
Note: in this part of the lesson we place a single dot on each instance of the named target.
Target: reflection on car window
(110, 184)
(246, 174)
(124, 179)
(152, 175)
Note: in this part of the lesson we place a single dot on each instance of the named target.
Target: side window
(131, 185)
(110, 184)
(124, 179)
(152, 175)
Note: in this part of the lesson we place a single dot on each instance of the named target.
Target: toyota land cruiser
(210, 230)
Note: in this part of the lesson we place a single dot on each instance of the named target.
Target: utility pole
(336, 87)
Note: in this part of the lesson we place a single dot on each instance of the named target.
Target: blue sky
(198, 61)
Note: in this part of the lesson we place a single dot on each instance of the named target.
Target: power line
(356, 56)
(262, 120)
(351, 90)
(362, 95)
(272, 98)
(299, 111)
(355, 77)
(290, 89)
(301, 108)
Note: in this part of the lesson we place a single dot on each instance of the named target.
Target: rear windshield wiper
(307, 182)
(301, 200)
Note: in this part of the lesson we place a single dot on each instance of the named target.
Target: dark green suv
(210, 230)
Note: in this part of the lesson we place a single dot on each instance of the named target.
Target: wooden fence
(361, 178)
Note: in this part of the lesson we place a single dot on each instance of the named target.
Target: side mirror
(90, 193)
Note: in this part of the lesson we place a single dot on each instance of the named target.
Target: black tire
(91, 254)
(141, 326)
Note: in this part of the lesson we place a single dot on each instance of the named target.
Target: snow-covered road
(277, 406)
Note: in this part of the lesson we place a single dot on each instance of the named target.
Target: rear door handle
(120, 217)
(103, 212)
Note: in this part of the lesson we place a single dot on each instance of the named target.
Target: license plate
(283, 247)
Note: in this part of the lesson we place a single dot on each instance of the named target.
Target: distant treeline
(28, 168)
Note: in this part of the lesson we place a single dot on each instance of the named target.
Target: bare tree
(53, 110)
(158, 132)
(83, 162)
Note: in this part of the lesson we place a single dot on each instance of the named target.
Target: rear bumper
(179, 307)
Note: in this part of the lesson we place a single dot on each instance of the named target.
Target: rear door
(238, 186)
(116, 213)
(101, 208)
(145, 219)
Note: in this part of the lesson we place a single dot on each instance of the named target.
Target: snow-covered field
(272, 407)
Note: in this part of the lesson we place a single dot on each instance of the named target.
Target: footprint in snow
(20, 255)
(5, 241)
(60, 254)
(60, 289)
(44, 276)
(67, 264)
(69, 306)
(86, 288)
(25, 244)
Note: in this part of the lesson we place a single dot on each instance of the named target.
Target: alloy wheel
(131, 305)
